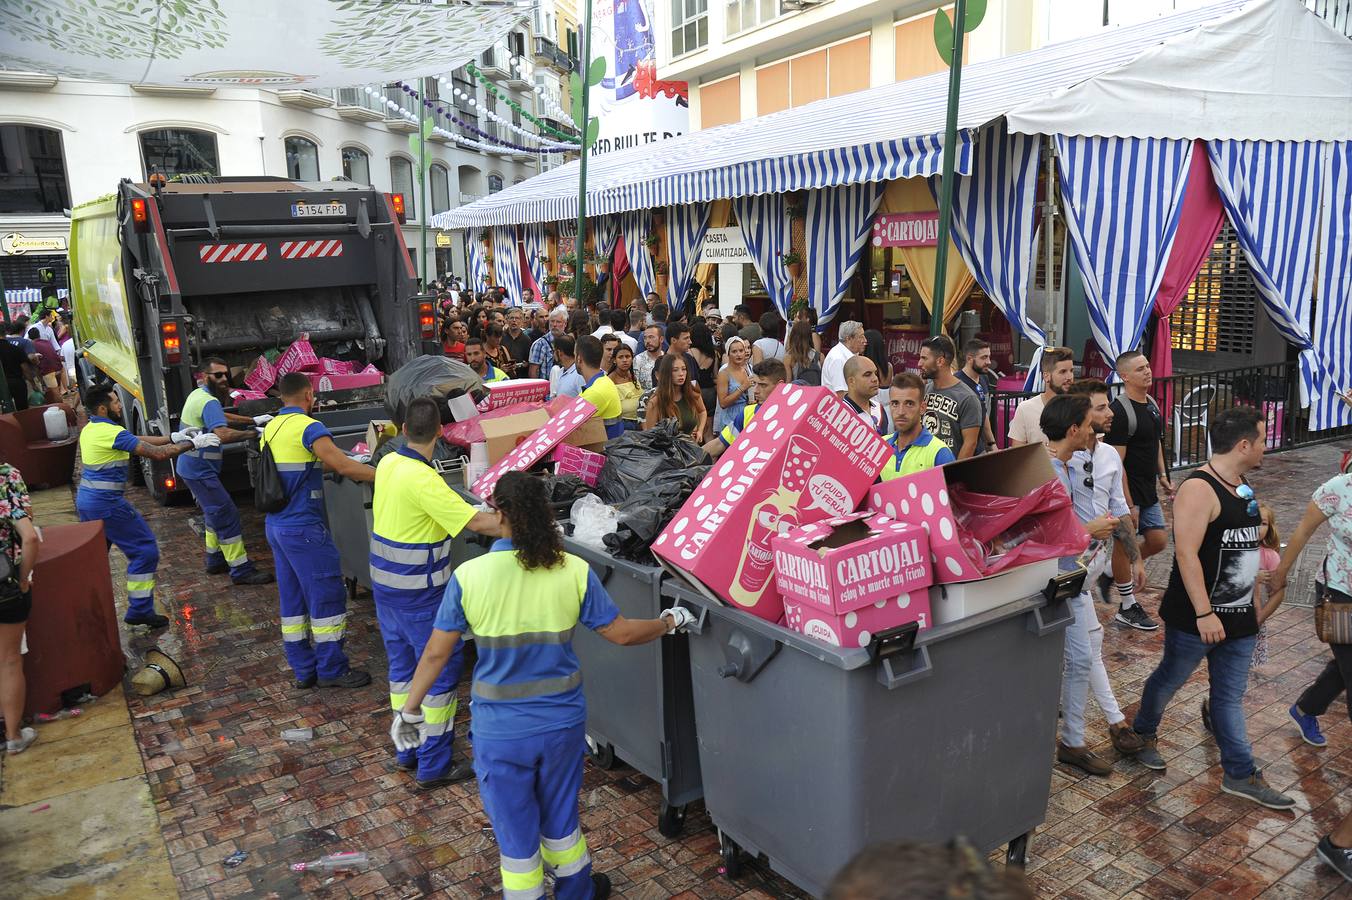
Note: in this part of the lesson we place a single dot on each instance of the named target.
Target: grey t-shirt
(949, 410)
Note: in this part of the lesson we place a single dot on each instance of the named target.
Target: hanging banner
(634, 107)
(909, 229)
(724, 245)
(251, 43)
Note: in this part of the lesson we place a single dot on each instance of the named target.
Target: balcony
(356, 105)
(305, 99)
(396, 122)
(494, 64)
(547, 53)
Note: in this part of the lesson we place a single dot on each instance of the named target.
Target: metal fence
(1188, 401)
(1337, 13)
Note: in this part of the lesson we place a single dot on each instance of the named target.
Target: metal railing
(1187, 402)
(1337, 13)
(548, 52)
(356, 97)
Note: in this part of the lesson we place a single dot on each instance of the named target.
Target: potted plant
(485, 236)
(793, 261)
(550, 282)
(651, 242)
(660, 268)
(543, 259)
(798, 305)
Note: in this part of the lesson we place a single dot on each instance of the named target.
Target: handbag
(1332, 617)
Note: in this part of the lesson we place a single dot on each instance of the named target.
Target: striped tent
(768, 233)
(1333, 315)
(838, 224)
(478, 266)
(685, 233)
(507, 262)
(536, 241)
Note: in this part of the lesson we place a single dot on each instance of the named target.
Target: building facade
(64, 142)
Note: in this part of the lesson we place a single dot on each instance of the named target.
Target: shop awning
(880, 134)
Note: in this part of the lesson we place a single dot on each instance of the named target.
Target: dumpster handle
(701, 620)
(1049, 619)
(609, 573)
(920, 667)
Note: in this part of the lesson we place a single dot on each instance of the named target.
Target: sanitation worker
(768, 374)
(597, 388)
(914, 449)
(309, 577)
(105, 448)
(415, 516)
(201, 472)
(522, 601)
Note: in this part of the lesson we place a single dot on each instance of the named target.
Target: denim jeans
(1228, 671)
(1082, 671)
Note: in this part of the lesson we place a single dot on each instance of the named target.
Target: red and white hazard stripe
(311, 249)
(222, 253)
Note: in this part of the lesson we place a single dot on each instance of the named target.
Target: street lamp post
(581, 239)
(946, 179)
(422, 178)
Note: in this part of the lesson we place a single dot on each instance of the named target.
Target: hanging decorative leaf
(976, 11)
(596, 73)
(593, 130)
(943, 36)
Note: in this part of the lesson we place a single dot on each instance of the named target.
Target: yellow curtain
(719, 213)
(913, 195)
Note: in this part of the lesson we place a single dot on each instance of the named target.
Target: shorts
(1152, 517)
(15, 612)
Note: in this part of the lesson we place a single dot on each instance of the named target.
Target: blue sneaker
(1309, 727)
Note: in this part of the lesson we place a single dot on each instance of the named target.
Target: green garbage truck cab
(165, 276)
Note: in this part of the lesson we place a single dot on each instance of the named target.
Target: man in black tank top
(1208, 608)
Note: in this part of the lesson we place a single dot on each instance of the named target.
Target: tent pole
(422, 179)
(946, 179)
(581, 240)
(1053, 312)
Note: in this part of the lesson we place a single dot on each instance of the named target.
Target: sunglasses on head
(1245, 492)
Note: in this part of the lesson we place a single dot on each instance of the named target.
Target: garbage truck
(165, 274)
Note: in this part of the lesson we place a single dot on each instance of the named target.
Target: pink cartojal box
(585, 464)
(567, 418)
(805, 456)
(850, 562)
(518, 390)
(922, 499)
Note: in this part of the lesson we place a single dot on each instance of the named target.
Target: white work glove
(406, 732)
(680, 618)
(203, 441)
(262, 420)
(187, 434)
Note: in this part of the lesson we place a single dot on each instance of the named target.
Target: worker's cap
(160, 673)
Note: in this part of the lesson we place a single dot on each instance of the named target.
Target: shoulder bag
(1332, 617)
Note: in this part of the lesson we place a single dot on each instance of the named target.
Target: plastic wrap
(592, 520)
(999, 532)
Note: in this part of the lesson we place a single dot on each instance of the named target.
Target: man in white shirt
(1058, 371)
(613, 322)
(851, 343)
(861, 394)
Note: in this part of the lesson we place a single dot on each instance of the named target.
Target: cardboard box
(950, 602)
(850, 562)
(857, 627)
(378, 432)
(262, 375)
(805, 456)
(923, 499)
(516, 390)
(585, 464)
(573, 422)
(299, 357)
(504, 433)
(324, 383)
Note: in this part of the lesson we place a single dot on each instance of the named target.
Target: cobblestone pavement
(223, 780)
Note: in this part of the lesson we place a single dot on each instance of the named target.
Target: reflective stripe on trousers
(438, 713)
(522, 878)
(294, 628)
(328, 629)
(566, 856)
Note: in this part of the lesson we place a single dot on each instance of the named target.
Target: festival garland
(492, 89)
(496, 145)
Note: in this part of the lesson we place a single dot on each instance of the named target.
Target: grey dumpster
(347, 504)
(810, 753)
(639, 703)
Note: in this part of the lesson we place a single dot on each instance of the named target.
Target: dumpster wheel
(602, 755)
(1017, 852)
(732, 856)
(671, 820)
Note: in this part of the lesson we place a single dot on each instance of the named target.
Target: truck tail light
(398, 201)
(427, 321)
(171, 343)
(139, 216)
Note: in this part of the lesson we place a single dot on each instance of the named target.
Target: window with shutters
(1219, 313)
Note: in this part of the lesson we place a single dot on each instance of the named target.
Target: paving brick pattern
(223, 780)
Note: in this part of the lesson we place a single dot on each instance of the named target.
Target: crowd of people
(641, 366)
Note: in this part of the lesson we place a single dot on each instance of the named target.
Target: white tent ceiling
(253, 43)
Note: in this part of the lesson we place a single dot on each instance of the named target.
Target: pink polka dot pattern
(568, 418)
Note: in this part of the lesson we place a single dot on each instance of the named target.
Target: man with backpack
(1137, 434)
(290, 490)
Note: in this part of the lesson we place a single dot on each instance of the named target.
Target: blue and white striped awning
(879, 134)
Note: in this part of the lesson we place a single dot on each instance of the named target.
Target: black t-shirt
(1229, 558)
(12, 361)
(518, 348)
(1142, 459)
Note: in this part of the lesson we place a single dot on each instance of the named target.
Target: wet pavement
(222, 779)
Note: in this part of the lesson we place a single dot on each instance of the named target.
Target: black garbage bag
(644, 514)
(635, 458)
(438, 377)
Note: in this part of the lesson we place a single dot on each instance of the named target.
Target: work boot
(353, 678)
(600, 886)
(256, 577)
(1082, 758)
(305, 684)
(460, 771)
(150, 621)
(218, 569)
(1149, 755)
(1255, 788)
(1125, 741)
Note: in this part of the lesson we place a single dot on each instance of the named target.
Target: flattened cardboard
(572, 421)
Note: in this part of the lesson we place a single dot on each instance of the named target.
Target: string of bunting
(441, 110)
(493, 89)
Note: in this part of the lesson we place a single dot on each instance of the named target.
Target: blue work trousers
(405, 631)
(1228, 671)
(529, 787)
(222, 533)
(313, 599)
(125, 529)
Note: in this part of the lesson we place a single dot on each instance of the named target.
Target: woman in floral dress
(19, 542)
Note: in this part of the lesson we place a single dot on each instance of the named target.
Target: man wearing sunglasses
(201, 472)
(1208, 607)
(1068, 423)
